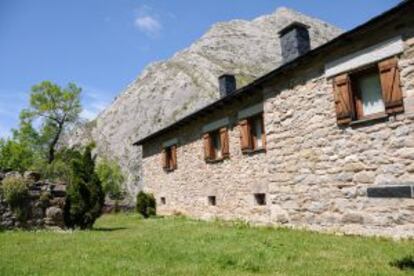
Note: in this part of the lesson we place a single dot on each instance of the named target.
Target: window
(216, 145)
(260, 199)
(163, 201)
(212, 200)
(369, 93)
(252, 134)
(169, 158)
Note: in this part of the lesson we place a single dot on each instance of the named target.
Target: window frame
(356, 93)
(168, 159)
(215, 148)
(252, 134)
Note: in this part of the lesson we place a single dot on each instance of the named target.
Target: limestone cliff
(168, 90)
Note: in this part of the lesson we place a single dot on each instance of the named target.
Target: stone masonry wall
(314, 173)
(44, 205)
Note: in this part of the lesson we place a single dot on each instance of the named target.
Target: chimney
(294, 40)
(227, 84)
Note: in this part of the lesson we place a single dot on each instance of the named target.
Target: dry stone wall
(43, 207)
(315, 174)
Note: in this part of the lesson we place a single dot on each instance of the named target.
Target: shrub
(85, 198)
(146, 204)
(15, 192)
(111, 177)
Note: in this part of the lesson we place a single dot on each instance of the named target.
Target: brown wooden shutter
(263, 132)
(207, 147)
(390, 83)
(173, 157)
(164, 159)
(245, 135)
(343, 99)
(224, 140)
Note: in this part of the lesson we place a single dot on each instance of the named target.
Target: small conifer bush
(146, 204)
(85, 197)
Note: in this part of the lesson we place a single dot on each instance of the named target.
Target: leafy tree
(85, 198)
(56, 107)
(111, 178)
(15, 156)
(21, 151)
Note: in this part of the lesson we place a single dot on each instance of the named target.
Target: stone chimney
(227, 84)
(294, 41)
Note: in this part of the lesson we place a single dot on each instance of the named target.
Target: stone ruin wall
(44, 205)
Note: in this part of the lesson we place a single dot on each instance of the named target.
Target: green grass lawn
(126, 245)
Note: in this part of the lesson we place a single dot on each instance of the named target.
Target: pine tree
(85, 197)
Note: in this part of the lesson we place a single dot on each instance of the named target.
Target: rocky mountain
(168, 90)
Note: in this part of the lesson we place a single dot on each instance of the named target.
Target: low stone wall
(44, 206)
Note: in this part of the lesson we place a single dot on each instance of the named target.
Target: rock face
(168, 90)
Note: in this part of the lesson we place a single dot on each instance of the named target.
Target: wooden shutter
(164, 159)
(224, 140)
(390, 83)
(343, 99)
(245, 135)
(173, 157)
(263, 132)
(208, 148)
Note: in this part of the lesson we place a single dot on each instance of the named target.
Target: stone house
(324, 142)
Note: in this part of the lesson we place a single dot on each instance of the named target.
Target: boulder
(54, 217)
(13, 174)
(32, 176)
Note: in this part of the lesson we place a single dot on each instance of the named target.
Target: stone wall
(44, 205)
(315, 174)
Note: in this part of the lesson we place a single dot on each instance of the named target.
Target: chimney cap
(291, 26)
(226, 75)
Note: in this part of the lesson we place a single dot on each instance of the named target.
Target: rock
(32, 176)
(352, 218)
(364, 177)
(54, 217)
(58, 190)
(13, 174)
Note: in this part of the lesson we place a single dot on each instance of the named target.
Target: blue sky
(103, 45)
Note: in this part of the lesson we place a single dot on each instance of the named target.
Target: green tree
(56, 107)
(20, 152)
(112, 179)
(85, 198)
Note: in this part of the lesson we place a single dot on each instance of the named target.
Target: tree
(85, 198)
(111, 178)
(56, 107)
(21, 151)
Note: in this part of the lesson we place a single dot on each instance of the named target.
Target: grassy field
(126, 245)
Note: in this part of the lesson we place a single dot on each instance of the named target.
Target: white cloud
(148, 25)
(147, 21)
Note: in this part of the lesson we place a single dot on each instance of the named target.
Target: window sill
(254, 151)
(218, 160)
(169, 170)
(370, 119)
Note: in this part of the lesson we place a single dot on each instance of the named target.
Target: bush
(111, 177)
(85, 198)
(146, 204)
(16, 192)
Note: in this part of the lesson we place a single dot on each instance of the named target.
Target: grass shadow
(406, 263)
(108, 229)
